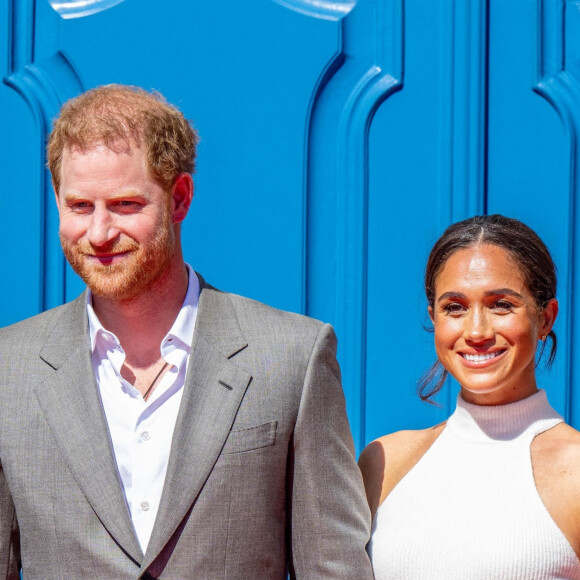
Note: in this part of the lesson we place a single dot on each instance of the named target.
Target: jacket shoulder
(252, 314)
(36, 328)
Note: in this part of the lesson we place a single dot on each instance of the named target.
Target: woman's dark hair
(528, 252)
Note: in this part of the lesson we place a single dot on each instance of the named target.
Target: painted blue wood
(370, 71)
(427, 155)
(558, 81)
(339, 139)
(532, 159)
(42, 83)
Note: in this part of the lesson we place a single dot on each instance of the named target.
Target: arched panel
(426, 170)
(371, 71)
(41, 83)
(244, 73)
(556, 189)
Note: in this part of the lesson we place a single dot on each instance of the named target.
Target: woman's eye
(502, 305)
(453, 308)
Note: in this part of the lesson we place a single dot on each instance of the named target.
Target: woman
(494, 492)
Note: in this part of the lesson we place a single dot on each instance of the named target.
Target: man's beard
(136, 272)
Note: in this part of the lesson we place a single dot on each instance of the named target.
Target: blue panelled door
(338, 139)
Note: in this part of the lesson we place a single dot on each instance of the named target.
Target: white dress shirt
(141, 431)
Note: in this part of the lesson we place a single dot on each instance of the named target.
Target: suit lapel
(71, 404)
(213, 391)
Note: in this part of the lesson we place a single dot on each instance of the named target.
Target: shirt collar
(181, 331)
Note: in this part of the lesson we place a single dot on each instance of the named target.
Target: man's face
(115, 221)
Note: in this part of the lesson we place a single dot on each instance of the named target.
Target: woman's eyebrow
(505, 292)
(451, 296)
(495, 292)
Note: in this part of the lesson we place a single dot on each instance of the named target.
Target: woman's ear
(548, 317)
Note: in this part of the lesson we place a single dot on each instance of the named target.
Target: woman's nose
(478, 326)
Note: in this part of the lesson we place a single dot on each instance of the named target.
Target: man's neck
(141, 322)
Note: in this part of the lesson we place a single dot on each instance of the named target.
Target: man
(156, 427)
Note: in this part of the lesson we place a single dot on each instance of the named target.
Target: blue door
(338, 139)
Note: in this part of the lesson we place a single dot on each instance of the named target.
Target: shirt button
(145, 435)
(145, 506)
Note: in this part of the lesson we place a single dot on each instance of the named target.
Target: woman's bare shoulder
(561, 442)
(555, 460)
(385, 461)
(556, 455)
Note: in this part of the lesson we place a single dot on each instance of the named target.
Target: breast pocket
(252, 438)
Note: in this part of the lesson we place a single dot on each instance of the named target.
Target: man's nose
(478, 326)
(102, 228)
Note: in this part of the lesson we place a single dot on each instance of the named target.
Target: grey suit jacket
(261, 476)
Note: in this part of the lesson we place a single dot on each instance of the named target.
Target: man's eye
(80, 205)
(127, 204)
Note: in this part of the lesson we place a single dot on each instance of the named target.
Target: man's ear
(56, 196)
(181, 195)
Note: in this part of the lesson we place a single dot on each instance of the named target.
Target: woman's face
(487, 325)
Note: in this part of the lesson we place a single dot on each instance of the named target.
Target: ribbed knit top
(469, 509)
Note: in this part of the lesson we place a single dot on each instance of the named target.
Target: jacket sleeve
(9, 536)
(329, 517)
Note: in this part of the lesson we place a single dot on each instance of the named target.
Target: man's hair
(116, 116)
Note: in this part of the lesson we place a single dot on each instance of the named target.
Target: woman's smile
(478, 360)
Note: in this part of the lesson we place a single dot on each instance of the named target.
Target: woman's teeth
(481, 357)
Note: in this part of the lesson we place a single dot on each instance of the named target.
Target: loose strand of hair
(432, 382)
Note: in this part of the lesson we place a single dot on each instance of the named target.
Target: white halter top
(469, 509)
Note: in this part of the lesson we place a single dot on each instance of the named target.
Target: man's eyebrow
(71, 195)
(121, 195)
